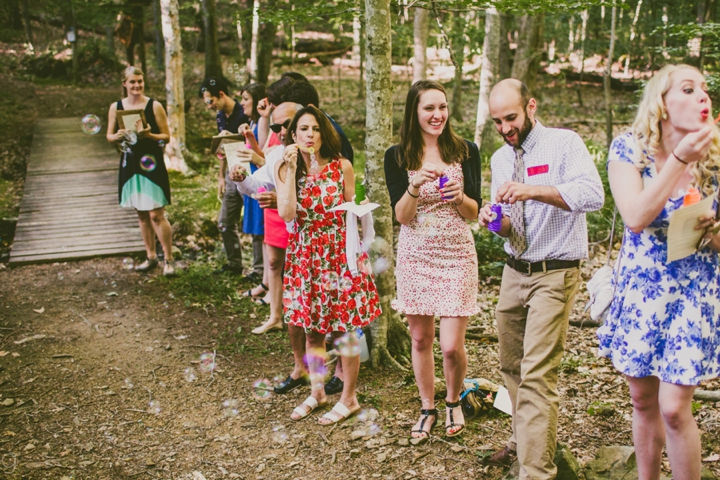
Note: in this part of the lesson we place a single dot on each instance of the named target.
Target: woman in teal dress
(143, 178)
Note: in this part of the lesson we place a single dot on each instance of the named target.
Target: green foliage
(601, 409)
(195, 205)
(491, 255)
(600, 222)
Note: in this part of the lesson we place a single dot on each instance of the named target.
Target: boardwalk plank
(69, 208)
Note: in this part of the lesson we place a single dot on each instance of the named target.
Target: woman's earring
(664, 115)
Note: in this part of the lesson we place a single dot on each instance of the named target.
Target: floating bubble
(348, 345)
(230, 407)
(154, 407)
(262, 389)
(230, 70)
(128, 263)
(207, 362)
(380, 265)
(372, 430)
(329, 281)
(212, 82)
(278, 379)
(61, 276)
(130, 137)
(91, 124)
(279, 435)
(368, 415)
(161, 143)
(236, 66)
(346, 284)
(189, 375)
(128, 383)
(148, 163)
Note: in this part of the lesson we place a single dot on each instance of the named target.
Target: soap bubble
(161, 143)
(372, 430)
(236, 66)
(154, 407)
(368, 415)
(346, 284)
(329, 281)
(262, 389)
(128, 383)
(91, 124)
(380, 265)
(207, 362)
(128, 263)
(230, 70)
(230, 407)
(279, 435)
(348, 345)
(148, 163)
(315, 359)
(212, 82)
(189, 375)
(130, 137)
(61, 276)
(278, 379)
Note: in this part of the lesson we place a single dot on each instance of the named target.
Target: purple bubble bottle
(496, 223)
(443, 180)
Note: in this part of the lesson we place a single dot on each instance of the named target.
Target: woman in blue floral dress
(663, 326)
(320, 293)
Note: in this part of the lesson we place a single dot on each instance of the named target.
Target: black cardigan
(397, 179)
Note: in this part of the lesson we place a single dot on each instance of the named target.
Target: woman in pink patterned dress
(437, 267)
(320, 293)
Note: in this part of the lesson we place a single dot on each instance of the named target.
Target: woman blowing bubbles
(436, 259)
(320, 294)
(663, 325)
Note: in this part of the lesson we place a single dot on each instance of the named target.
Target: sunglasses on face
(277, 127)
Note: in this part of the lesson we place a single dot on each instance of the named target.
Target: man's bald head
(511, 89)
(283, 115)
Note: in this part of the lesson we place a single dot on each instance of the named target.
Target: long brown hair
(329, 149)
(453, 149)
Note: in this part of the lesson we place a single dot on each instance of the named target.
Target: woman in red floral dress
(320, 294)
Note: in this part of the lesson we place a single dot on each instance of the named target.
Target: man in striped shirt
(546, 181)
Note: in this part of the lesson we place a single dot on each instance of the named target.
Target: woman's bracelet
(679, 159)
(408, 191)
(461, 201)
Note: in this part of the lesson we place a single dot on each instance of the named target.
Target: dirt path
(82, 374)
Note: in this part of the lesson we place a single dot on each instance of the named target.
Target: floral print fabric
(319, 292)
(664, 320)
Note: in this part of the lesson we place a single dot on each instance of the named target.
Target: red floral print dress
(319, 291)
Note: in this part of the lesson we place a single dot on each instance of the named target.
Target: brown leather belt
(528, 268)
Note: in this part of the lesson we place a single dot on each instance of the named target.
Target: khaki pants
(532, 317)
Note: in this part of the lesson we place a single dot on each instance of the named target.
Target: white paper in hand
(359, 210)
(502, 401)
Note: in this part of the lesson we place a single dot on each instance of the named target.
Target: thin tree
(606, 80)
(527, 55)
(632, 37)
(213, 64)
(488, 77)
(254, 39)
(26, 22)
(174, 159)
(458, 46)
(266, 40)
(159, 41)
(421, 27)
(389, 334)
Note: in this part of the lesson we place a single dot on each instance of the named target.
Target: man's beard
(523, 132)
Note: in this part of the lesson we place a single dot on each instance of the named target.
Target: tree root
(381, 356)
(707, 395)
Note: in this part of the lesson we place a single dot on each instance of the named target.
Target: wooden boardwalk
(69, 208)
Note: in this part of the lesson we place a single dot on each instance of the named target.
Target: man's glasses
(277, 127)
(209, 101)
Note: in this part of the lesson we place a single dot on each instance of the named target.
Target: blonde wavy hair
(648, 134)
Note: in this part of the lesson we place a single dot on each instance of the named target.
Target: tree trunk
(632, 38)
(241, 49)
(73, 27)
(266, 41)
(174, 159)
(584, 15)
(527, 55)
(213, 64)
(110, 39)
(488, 78)
(608, 73)
(363, 43)
(15, 20)
(26, 21)
(421, 29)
(389, 334)
(504, 60)
(459, 48)
(159, 42)
(254, 40)
(139, 22)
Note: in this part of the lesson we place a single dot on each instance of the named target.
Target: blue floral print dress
(664, 320)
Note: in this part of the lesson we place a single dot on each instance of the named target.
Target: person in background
(230, 115)
(437, 265)
(662, 330)
(546, 182)
(144, 184)
(321, 294)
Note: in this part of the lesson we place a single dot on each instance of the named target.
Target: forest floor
(94, 357)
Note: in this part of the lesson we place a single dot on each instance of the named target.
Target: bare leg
(162, 229)
(148, 234)
(351, 368)
(275, 262)
(297, 343)
(315, 341)
(258, 289)
(422, 332)
(452, 343)
(648, 428)
(681, 432)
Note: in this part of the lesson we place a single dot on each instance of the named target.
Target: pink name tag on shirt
(538, 170)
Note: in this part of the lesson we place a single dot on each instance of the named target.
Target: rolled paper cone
(359, 193)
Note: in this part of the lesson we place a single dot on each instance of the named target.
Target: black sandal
(254, 297)
(425, 434)
(452, 406)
